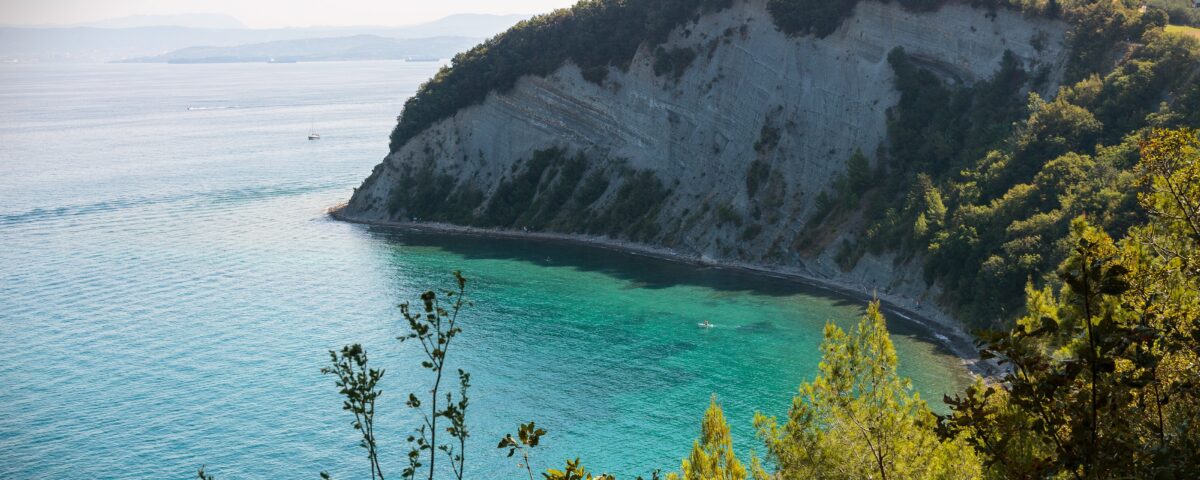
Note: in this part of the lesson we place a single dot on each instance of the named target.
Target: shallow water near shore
(170, 284)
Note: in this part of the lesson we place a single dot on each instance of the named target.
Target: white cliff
(823, 97)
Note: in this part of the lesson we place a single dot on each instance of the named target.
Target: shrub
(768, 138)
(674, 61)
(757, 175)
(726, 214)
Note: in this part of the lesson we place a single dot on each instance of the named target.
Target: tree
(921, 226)
(858, 172)
(435, 327)
(357, 382)
(712, 456)
(859, 419)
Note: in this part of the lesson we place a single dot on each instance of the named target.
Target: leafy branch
(357, 383)
(434, 327)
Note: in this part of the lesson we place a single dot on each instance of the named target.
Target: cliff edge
(714, 144)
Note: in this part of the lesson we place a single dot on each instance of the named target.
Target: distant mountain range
(357, 47)
(190, 20)
(104, 44)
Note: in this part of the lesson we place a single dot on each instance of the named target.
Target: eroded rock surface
(740, 144)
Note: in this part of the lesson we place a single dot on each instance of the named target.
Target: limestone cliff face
(742, 142)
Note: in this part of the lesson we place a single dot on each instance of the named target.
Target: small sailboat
(312, 132)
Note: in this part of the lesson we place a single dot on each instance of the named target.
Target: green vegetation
(1068, 225)
(634, 210)
(858, 419)
(823, 17)
(1181, 12)
(595, 35)
(1103, 380)
(528, 437)
(712, 456)
(844, 197)
(358, 384)
(726, 214)
(1107, 363)
(768, 138)
(1183, 30)
(982, 183)
(674, 61)
(551, 190)
(426, 194)
(514, 198)
(758, 174)
(804, 17)
(434, 326)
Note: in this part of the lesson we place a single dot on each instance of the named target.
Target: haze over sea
(170, 287)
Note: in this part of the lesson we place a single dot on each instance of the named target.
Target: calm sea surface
(169, 288)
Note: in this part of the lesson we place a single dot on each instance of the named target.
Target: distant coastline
(949, 334)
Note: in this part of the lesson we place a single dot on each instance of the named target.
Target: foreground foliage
(1105, 379)
(712, 456)
(433, 326)
(859, 419)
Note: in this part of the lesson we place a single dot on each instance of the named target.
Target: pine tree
(858, 172)
(712, 456)
(859, 419)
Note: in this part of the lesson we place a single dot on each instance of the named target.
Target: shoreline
(952, 337)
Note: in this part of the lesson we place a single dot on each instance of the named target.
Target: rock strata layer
(723, 162)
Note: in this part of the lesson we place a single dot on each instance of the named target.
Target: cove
(169, 294)
(602, 348)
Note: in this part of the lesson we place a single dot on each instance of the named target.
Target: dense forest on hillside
(983, 182)
(1181, 12)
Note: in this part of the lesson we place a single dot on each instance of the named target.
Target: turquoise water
(169, 287)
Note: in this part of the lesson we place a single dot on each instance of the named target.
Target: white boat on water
(312, 131)
(314, 136)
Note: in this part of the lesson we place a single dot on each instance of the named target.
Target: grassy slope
(1184, 30)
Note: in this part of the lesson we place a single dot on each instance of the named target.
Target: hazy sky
(266, 13)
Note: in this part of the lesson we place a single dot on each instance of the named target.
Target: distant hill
(358, 47)
(467, 24)
(191, 20)
(96, 44)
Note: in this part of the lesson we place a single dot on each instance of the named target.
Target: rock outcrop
(734, 139)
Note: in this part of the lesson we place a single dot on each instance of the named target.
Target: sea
(171, 286)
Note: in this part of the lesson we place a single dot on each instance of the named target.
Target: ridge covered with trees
(981, 183)
(594, 34)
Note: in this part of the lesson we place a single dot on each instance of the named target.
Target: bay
(170, 286)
